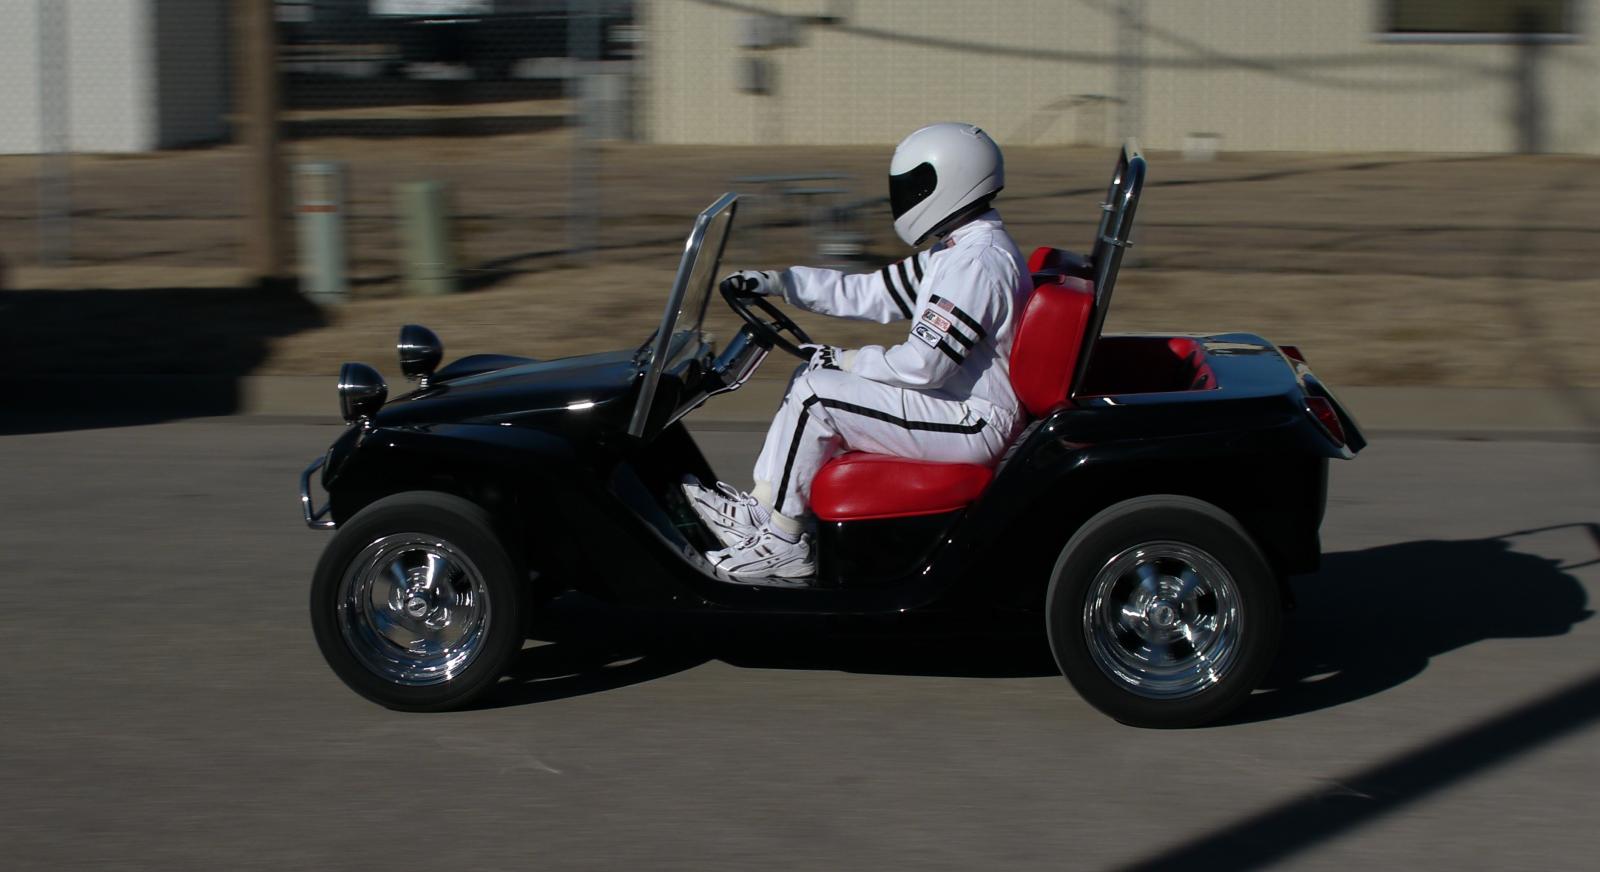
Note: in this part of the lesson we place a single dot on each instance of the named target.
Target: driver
(943, 394)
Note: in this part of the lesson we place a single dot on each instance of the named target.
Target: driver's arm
(890, 294)
(967, 302)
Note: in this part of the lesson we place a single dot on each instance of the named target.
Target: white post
(319, 220)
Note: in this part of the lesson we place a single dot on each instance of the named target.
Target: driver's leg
(798, 442)
(778, 546)
(827, 411)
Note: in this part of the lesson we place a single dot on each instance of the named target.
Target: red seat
(857, 486)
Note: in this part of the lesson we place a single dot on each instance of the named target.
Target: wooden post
(266, 246)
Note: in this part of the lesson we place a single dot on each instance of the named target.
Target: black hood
(516, 390)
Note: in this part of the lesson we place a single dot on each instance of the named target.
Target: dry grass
(1386, 269)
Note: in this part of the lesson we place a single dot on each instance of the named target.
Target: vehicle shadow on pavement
(1372, 620)
(581, 646)
(578, 646)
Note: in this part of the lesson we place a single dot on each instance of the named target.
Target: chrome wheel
(1163, 620)
(413, 609)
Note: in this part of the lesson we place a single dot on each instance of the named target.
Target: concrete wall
(1264, 74)
(139, 74)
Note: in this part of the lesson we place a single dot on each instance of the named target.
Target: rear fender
(1270, 483)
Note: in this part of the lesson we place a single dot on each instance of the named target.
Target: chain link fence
(113, 155)
(125, 167)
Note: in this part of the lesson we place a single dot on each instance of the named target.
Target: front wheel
(416, 603)
(1162, 612)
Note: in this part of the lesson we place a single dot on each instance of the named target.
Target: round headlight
(420, 351)
(361, 391)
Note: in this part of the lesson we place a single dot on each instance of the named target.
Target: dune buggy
(1149, 514)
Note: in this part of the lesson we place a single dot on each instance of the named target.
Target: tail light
(1322, 409)
(1293, 353)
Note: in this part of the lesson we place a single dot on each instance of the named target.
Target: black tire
(1128, 533)
(498, 581)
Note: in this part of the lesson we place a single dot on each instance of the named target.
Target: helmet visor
(911, 187)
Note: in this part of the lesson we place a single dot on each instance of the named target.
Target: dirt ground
(1385, 269)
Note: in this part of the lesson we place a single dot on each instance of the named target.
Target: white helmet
(938, 174)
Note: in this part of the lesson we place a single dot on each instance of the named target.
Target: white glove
(827, 357)
(764, 282)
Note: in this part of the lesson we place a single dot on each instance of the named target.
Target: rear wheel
(1162, 612)
(416, 604)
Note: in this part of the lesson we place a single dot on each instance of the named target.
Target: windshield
(679, 333)
(703, 274)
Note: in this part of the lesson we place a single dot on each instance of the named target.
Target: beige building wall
(137, 74)
(1262, 74)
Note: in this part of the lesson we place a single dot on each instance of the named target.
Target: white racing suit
(944, 394)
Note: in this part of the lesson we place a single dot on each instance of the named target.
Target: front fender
(483, 462)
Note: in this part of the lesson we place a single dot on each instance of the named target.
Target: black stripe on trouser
(977, 328)
(916, 266)
(842, 406)
(894, 294)
(794, 446)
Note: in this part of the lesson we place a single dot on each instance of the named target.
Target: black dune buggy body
(1149, 517)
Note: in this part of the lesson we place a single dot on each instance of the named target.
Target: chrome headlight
(420, 352)
(361, 391)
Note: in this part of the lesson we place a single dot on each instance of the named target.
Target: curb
(1571, 414)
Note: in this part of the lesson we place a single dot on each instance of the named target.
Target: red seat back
(1049, 337)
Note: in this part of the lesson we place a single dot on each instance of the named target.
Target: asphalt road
(1437, 707)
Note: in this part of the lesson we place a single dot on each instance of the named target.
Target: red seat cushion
(857, 486)
(1049, 338)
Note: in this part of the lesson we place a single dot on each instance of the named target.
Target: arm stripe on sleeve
(960, 337)
(894, 294)
(977, 328)
(916, 265)
(950, 352)
(906, 282)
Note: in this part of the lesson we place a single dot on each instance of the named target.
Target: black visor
(911, 187)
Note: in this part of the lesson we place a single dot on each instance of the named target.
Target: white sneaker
(766, 555)
(732, 515)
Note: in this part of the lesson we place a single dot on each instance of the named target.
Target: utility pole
(55, 139)
(1129, 83)
(266, 243)
(583, 55)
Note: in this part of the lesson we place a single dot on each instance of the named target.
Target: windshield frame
(660, 342)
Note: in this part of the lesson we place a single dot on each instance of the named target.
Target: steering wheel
(769, 331)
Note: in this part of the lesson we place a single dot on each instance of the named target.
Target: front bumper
(316, 519)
